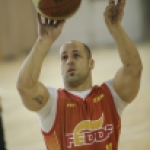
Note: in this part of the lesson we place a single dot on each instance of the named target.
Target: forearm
(31, 68)
(127, 50)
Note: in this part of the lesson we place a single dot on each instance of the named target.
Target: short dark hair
(88, 51)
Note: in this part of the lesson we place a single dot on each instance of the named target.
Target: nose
(70, 61)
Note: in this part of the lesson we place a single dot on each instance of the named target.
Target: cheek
(83, 67)
(87, 67)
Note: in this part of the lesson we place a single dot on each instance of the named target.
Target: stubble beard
(75, 80)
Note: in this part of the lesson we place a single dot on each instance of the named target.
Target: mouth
(71, 70)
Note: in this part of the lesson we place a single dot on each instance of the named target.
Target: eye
(76, 55)
(64, 57)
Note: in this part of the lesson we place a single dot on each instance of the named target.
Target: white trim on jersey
(48, 113)
(119, 103)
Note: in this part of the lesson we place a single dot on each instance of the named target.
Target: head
(76, 64)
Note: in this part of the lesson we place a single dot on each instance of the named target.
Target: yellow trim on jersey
(56, 139)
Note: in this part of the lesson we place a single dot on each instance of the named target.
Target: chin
(71, 79)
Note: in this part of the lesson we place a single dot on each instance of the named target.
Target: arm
(127, 79)
(34, 94)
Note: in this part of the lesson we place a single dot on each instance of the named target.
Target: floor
(21, 126)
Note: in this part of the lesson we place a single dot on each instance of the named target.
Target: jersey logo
(71, 105)
(99, 98)
(109, 146)
(88, 132)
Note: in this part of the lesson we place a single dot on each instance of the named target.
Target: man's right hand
(50, 29)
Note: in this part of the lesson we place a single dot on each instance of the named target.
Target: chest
(88, 121)
(96, 109)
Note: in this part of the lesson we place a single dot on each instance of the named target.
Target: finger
(111, 2)
(51, 22)
(46, 21)
(39, 19)
(110, 9)
(121, 5)
(121, 2)
(60, 22)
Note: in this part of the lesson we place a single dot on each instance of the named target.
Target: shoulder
(119, 103)
(52, 91)
(48, 113)
(52, 101)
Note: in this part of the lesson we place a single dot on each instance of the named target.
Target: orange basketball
(57, 9)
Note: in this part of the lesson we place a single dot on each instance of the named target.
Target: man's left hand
(114, 13)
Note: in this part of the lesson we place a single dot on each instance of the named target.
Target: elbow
(139, 69)
(25, 85)
(134, 70)
(137, 72)
(19, 85)
(22, 85)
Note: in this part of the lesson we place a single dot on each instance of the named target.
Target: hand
(114, 13)
(50, 29)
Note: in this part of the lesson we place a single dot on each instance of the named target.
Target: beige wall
(17, 27)
(88, 24)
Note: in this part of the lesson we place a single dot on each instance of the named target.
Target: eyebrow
(74, 51)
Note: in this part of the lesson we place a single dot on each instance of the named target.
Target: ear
(91, 63)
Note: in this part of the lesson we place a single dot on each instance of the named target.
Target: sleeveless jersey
(92, 124)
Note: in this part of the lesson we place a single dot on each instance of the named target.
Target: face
(75, 66)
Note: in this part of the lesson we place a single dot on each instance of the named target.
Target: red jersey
(92, 124)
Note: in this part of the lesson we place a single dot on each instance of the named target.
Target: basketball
(56, 9)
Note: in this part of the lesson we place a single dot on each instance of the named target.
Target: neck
(79, 86)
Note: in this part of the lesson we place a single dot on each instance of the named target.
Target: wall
(18, 29)
(88, 25)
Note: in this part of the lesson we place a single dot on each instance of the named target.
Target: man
(81, 116)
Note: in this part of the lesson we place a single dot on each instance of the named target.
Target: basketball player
(81, 115)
